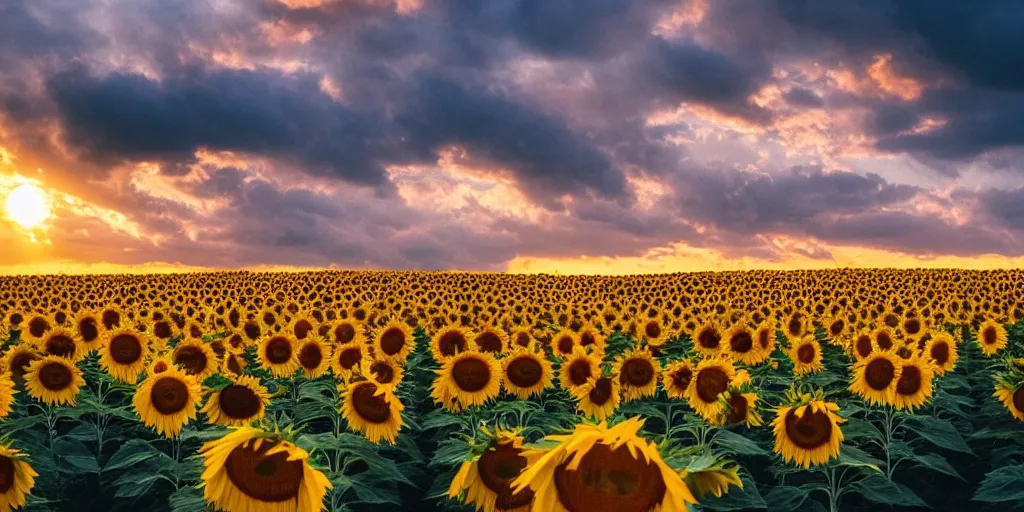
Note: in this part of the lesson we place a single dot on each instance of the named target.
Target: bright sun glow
(28, 205)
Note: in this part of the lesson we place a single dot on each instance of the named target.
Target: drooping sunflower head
(251, 469)
(714, 480)
(241, 402)
(526, 373)
(638, 374)
(314, 357)
(167, 400)
(992, 337)
(805, 353)
(739, 407)
(485, 479)
(577, 369)
(279, 354)
(808, 434)
(677, 377)
(196, 358)
(123, 354)
(914, 387)
(372, 410)
(62, 342)
(710, 379)
(17, 478)
(393, 341)
(54, 380)
(600, 396)
(1010, 391)
(449, 341)
(470, 377)
(875, 378)
(603, 469)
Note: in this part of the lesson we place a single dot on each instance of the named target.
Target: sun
(28, 205)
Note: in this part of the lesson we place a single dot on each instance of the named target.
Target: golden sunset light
(28, 206)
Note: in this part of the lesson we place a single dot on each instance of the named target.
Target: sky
(570, 136)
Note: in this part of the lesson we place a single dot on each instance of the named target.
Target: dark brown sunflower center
(806, 353)
(373, 409)
(239, 402)
(738, 408)
(523, 339)
(602, 391)
(610, 480)
(260, 477)
(764, 338)
(652, 330)
(451, 343)
(884, 340)
(344, 333)
(269, 319)
(892, 320)
(524, 371)
(392, 341)
(233, 366)
(863, 345)
(302, 329)
(252, 330)
(7, 474)
(489, 342)
(681, 378)
(879, 374)
(912, 326)
(587, 338)
(810, 431)
(350, 357)
(711, 382)
(708, 338)
(160, 367)
(19, 364)
(795, 326)
(836, 328)
(471, 374)
(110, 319)
(383, 372)
(497, 468)
(55, 376)
(125, 349)
(88, 330)
(1018, 399)
(60, 345)
(234, 317)
(162, 329)
(990, 336)
(37, 327)
(909, 381)
(741, 342)
(279, 350)
(169, 395)
(940, 353)
(191, 358)
(195, 331)
(310, 356)
(580, 372)
(565, 345)
(637, 372)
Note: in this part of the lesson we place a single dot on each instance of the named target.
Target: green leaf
(187, 499)
(855, 457)
(878, 489)
(136, 484)
(737, 498)
(1003, 484)
(856, 428)
(737, 444)
(785, 498)
(76, 454)
(135, 451)
(936, 462)
(940, 432)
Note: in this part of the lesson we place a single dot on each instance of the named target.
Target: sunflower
(599, 397)
(863, 345)
(638, 374)
(914, 387)
(525, 373)
(123, 354)
(53, 380)
(805, 353)
(796, 325)
(564, 342)
(883, 338)
(314, 357)
(346, 358)
(344, 331)
(740, 342)
(87, 325)
(1011, 394)
(7, 392)
(942, 352)
(591, 338)
(449, 341)
(875, 377)
(62, 342)
(739, 407)
(17, 359)
(386, 374)
(676, 378)
(710, 379)
(393, 341)
(372, 410)
(232, 364)
(577, 369)
(470, 377)
(764, 338)
(992, 337)
(17, 478)
(167, 400)
(278, 354)
(715, 481)
(808, 434)
(241, 402)
(599, 468)
(485, 480)
(196, 357)
(250, 469)
(36, 326)
(491, 339)
(707, 338)
(160, 363)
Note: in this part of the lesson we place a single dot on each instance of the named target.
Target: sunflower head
(484, 479)
(805, 353)
(372, 410)
(1009, 390)
(62, 342)
(638, 374)
(16, 476)
(875, 377)
(54, 380)
(123, 354)
(992, 337)
(710, 379)
(279, 354)
(600, 396)
(167, 400)
(677, 377)
(471, 378)
(577, 369)
(807, 429)
(393, 341)
(196, 358)
(314, 357)
(241, 401)
(526, 373)
(449, 341)
(914, 387)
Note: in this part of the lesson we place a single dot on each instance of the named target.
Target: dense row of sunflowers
(526, 392)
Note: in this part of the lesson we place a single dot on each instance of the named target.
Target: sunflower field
(450, 391)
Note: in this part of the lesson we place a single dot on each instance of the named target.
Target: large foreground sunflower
(17, 478)
(54, 380)
(241, 402)
(485, 479)
(807, 432)
(167, 401)
(597, 468)
(250, 469)
(371, 410)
